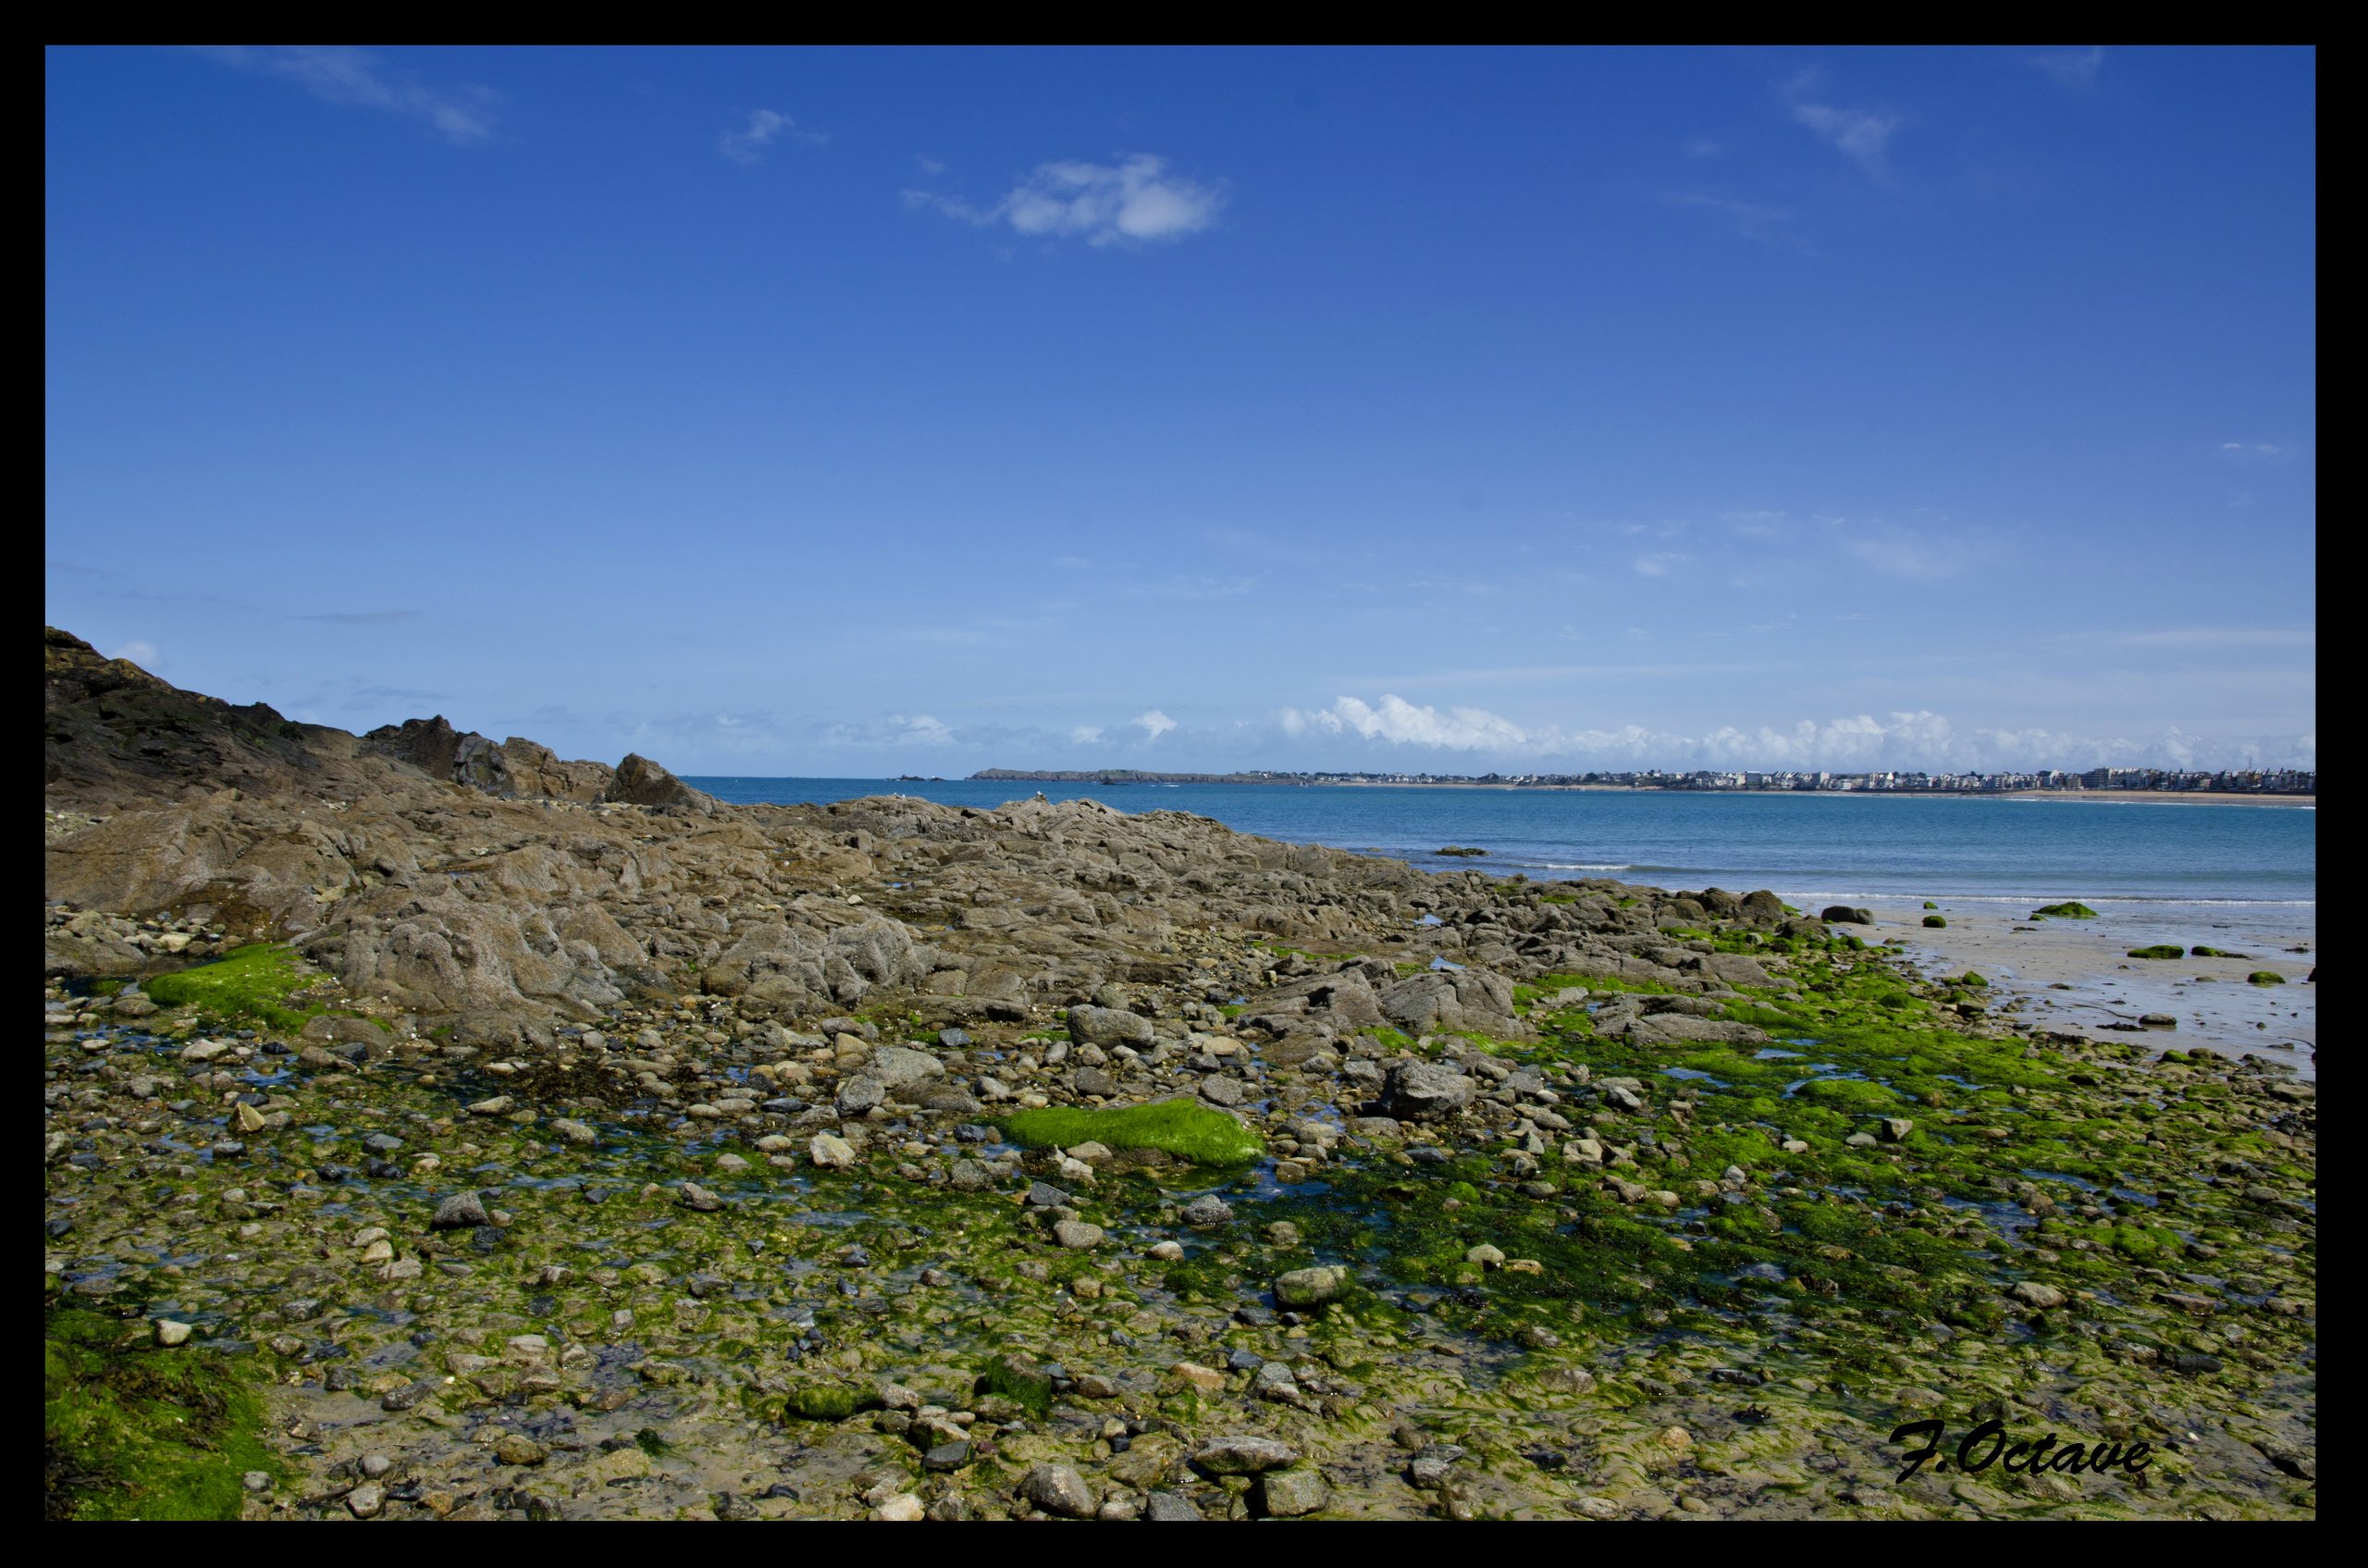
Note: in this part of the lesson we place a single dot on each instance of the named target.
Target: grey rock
(1056, 1488)
(1244, 1453)
(1311, 1287)
(1218, 1089)
(462, 1211)
(1108, 1027)
(901, 1067)
(1426, 1092)
(1170, 1508)
(1207, 1212)
(1289, 1494)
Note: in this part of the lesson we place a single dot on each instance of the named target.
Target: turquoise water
(1804, 846)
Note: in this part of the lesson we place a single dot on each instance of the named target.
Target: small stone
(1207, 1212)
(575, 1131)
(1077, 1235)
(364, 1502)
(694, 1196)
(1056, 1488)
(516, 1448)
(902, 1509)
(1310, 1287)
(1167, 1252)
(831, 1152)
(462, 1211)
(2030, 1292)
(168, 1332)
(1244, 1453)
(1205, 1378)
(1288, 1494)
(1170, 1508)
(1486, 1257)
(1897, 1129)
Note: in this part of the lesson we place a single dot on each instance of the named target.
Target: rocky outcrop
(640, 782)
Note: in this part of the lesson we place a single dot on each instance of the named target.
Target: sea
(2244, 865)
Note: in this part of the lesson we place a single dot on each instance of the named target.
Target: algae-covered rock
(1311, 1287)
(2068, 910)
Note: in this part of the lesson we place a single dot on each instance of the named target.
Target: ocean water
(2248, 863)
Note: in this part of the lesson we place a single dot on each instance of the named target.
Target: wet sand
(2077, 976)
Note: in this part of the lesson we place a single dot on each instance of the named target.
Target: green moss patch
(251, 983)
(2160, 950)
(132, 1431)
(1182, 1127)
(1935, 922)
(2070, 910)
(2265, 977)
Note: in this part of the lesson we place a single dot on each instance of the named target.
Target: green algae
(1182, 1127)
(2068, 910)
(249, 984)
(2265, 977)
(133, 1431)
(1016, 1381)
(1935, 922)
(2159, 950)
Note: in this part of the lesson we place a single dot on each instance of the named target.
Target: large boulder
(1426, 1092)
(640, 782)
(1473, 999)
(1107, 1027)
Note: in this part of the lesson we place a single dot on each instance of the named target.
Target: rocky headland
(441, 1129)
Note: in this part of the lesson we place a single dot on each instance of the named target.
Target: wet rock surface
(651, 1159)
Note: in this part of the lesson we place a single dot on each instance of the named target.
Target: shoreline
(2098, 797)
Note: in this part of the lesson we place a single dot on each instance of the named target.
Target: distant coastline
(2293, 788)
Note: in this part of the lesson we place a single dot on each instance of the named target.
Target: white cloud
(1659, 563)
(1154, 724)
(1859, 135)
(1130, 203)
(1086, 734)
(339, 74)
(1402, 723)
(1859, 743)
(1752, 220)
(927, 164)
(2073, 67)
(1919, 557)
(147, 655)
(765, 126)
(896, 730)
(920, 729)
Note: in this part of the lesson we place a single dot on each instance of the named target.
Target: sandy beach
(2077, 976)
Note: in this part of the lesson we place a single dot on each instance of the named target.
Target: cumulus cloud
(339, 74)
(748, 144)
(1402, 723)
(1154, 724)
(1659, 564)
(147, 655)
(1086, 734)
(1920, 740)
(1133, 202)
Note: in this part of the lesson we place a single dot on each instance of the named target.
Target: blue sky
(810, 412)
